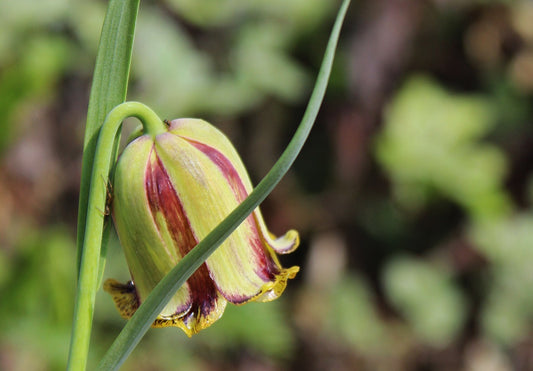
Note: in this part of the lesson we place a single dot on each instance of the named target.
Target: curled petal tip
(274, 289)
(286, 243)
(192, 323)
(124, 296)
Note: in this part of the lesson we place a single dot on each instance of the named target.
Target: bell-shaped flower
(169, 193)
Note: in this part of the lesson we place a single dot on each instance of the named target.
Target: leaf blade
(109, 87)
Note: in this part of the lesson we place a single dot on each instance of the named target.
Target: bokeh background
(412, 196)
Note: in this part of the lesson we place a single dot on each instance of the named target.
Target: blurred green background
(413, 194)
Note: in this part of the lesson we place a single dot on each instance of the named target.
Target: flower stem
(109, 86)
(140, 322)
(89, 268)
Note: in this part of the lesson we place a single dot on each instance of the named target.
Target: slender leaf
(109, 88)
(110, 82)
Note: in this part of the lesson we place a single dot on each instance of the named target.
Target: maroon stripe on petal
(226, 168)
(162, 198)
(266, 268)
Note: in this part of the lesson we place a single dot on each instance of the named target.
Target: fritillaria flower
(169, 193)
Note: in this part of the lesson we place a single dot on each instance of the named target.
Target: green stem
(109, 87)
(141, 321)
(89, 268)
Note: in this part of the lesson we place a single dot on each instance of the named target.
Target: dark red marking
(163, 198)
(266, 268)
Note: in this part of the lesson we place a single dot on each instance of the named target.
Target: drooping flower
(169, 193)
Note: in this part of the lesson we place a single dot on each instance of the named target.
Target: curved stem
(140, 322)
(90, 254)
(109, 86)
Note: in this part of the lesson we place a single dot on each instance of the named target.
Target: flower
(169, 193)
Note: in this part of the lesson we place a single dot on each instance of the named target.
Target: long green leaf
(109, 87)
(137, 326)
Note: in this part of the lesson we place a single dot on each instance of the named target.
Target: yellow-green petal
(244, 267)
(148, 255)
